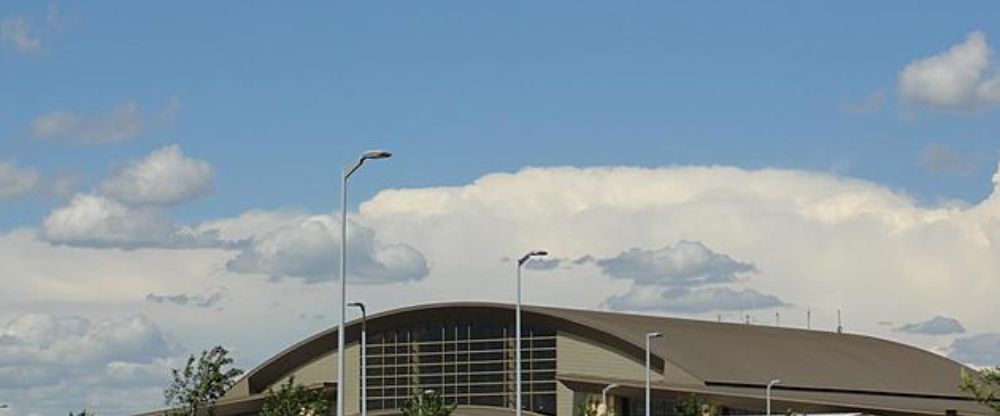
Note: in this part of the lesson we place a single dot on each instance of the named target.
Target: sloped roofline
(307, 350)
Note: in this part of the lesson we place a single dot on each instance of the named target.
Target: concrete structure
(465, 352)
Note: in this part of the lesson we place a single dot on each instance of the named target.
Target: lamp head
(535, 253)
(654, 335)
(376, 154)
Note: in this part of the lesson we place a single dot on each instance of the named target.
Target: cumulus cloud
(120, 124)
(685, 264)
(41, 354)
(688, 300)
(308, 250)
(183, 299)
(938, 325)
(938, 158)
(979, 350)
(125, 211)
(961, 78)
(96, 221)
(818, 239)
(16, 181)
(166, 176)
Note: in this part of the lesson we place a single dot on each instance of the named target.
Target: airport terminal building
(465, 351)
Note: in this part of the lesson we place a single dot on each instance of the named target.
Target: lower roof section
(801, 401)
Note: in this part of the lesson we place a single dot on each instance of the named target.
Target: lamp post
(374, 154)
(517, 326)
(604, 396)
(364, 356)
(649, 338)
(768, 394)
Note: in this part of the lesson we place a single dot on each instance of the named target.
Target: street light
(604, 395)
(374, 154)
(769, 385)
(364, 356)
(517, 325)
(649, 337)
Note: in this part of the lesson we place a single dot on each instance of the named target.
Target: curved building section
(465, 352)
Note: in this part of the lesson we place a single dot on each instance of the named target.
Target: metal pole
(374, 154)
(517, 342)
(517, 328)
(343, 292)
(604, 395)
(768, 393)
(647, 377)
(364, 356)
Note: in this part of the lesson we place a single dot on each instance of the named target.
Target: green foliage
(694, 405)
(84, 412)
(294, 400)
(427, 403)
(201, 382)
(589, 407)
(984, 386)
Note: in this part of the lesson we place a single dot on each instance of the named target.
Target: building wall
(323, 369)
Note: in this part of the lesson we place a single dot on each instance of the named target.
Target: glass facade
(468, 362)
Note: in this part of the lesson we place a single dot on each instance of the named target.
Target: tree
(984, 386)
(85, 412)
(201, 382)
(294, 400)
(593, 407)
(694, 405)
(428, 403)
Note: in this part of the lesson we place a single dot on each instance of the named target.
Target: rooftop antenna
(809, 313)
(840, 326)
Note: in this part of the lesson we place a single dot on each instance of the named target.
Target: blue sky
(285, 95)
(167, 171)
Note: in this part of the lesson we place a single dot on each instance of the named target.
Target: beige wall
(324, 370)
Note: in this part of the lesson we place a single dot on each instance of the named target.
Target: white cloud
(961, 78)
(308, 249)
(96, 221)
(163, 177)
(687, 300)
(16, 181)
(120, 124)
(16, 34)
(43, 356)
(980, 350)
(818, 240)
(938, 325)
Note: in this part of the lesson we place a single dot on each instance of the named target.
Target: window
(467, 362)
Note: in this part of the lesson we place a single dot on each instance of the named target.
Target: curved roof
(718, 354)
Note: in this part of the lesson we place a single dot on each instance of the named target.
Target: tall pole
(343, 290)
(604, 396)
(768, 394)
(374, 154)
(517, 328)
(649, 337)
(364, 356)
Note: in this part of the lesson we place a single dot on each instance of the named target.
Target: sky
(169, 172)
